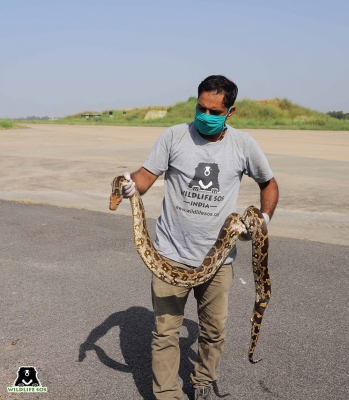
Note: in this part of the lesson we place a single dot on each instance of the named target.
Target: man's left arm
(269, 196)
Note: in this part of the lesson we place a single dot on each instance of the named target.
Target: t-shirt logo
(205, 178)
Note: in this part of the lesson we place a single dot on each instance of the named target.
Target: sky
(60, 57)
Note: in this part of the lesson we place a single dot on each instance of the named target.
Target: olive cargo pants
(168, 303)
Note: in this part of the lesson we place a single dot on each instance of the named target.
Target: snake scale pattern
(234, 225)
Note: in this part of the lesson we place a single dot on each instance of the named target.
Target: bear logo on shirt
(205, 178)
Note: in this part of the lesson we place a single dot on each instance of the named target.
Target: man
(203, 162)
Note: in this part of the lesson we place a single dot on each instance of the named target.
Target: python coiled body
(234, 225)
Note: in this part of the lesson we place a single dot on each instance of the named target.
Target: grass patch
(9, 124)
(263, 114)
(6, 124)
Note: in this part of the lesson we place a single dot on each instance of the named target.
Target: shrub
(6, 123)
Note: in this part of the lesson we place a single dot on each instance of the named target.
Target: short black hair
(220, 84)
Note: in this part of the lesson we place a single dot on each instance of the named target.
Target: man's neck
(214, 138)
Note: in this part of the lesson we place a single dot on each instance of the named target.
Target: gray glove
(129, 188)
(266, 218)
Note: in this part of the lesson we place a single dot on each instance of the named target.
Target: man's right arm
(143, 179)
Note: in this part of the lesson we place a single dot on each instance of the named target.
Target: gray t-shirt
(202, 181)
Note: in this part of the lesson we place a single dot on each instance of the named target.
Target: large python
(234, 225)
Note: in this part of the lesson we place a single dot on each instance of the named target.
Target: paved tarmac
(75, 297)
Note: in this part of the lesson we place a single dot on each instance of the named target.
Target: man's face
(212, 103)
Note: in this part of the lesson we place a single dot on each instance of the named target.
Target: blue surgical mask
(208, 124)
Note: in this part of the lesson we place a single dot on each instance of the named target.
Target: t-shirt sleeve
(157, 161)
(257, 166)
